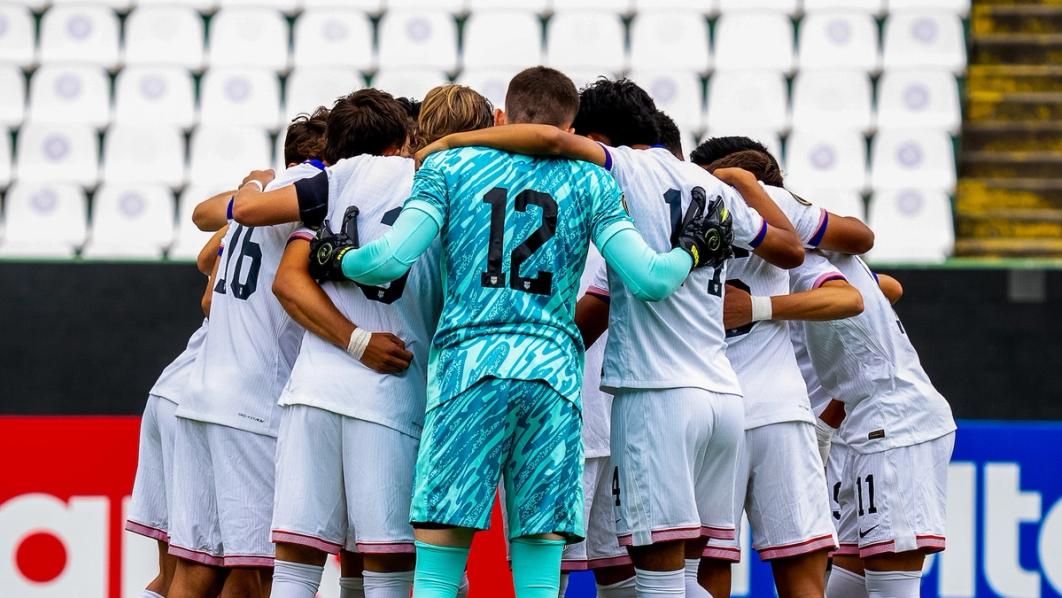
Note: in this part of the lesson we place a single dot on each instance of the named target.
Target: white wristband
(359, 340)
(261, 187)
(761, 308)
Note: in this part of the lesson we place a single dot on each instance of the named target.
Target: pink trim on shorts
(846, 550)
(244, 560)
(810, 545)
(306, 540)
(196, 556)
(146, 530)
(682, 533)
(719, 533)
(599, 563)
(386, 547)
(722, 553)
(926, 543)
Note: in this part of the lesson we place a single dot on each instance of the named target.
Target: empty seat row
(174, 35)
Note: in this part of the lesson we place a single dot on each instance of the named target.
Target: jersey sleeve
(609, 216)
(815, 271)
(430, 190)
(809, 221)
(749, 227)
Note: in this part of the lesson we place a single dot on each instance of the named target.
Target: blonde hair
(451, 109)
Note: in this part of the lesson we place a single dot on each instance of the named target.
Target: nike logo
(863, 534)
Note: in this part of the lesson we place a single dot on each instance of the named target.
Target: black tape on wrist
(313, 199)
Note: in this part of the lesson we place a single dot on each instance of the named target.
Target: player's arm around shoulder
(254, 206)
(211, 214)
(777, 241)
(834, 299)
(890, 287)
(527, 139)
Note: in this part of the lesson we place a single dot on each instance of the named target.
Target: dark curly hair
(305, 137)
(718, 147)
(620, 111)
(670, 137)
(368, 121)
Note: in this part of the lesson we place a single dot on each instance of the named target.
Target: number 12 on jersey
(494, 277)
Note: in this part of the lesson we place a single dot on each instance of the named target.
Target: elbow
(202, 220)
(283, 289)
(853, 303)
(790, 255)
(865, 242)
(242, 213)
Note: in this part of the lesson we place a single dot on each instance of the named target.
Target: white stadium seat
(164, 35)
(333, 37)
(220, 155)
(918, 158)
(307, 88)
(80, 34)
(874, 7)
(959, 7)
(492, 83)
(911, 225)
(286, 6)
(585, 40)
(130, 221)
(70, 94)
(32, 207)
(200, 5)
(189, 239)
(615, 6)
(919, 99)
(585, 76)
(230, 96)
(58, 152)
(781, 6)
(836, 201)
(840, 100)
(249, 37)
(770, 139)
(502, 39)
(538, 6)
(704, 7)
(670, 40)
(451, 6)
(369, 6)
(924, 39)
(418, 38)
(678, 93)
(410, 83)
(839, 40)
(5, 158)
(17, 38)
(817, 159)
(754, 40)
(12, 95)
(35, 5)
(113, 4)
(157, 95)
(144, 154)
(755, 99)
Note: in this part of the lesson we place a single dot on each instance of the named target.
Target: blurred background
(937, 121)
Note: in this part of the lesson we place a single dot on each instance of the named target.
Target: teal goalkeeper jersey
(516, 231)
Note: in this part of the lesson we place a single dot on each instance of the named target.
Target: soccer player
(223, 466)
(676, 421)
(505, 368)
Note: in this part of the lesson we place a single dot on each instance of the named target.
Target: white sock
(893, 584)
(388, 585)
(660, 583)
(150, 594)
(620, 589)
(462, 590)
(563, 585)
(693, 587)
(351, 587)
(843, 583)
(295, 580)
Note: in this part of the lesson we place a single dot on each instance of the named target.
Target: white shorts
(782, 487)
(893, 500)
(676, 453)
(343, 483)
(153, 487)
(222, 495)
(600, 548)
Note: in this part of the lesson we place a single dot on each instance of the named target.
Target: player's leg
(719, 555)
(609, 562)
(378, 465)
(244, 582)
(457, 472)
(309, 514)
(845, 579)
(351, 576)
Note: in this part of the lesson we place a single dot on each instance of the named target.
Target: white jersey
(868, 362)
(252, 343)
(325, 376)
(173, 381)
(597, 404)
(761, 352)
(678, 342)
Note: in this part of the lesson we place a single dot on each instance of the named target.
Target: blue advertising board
(1004, 533)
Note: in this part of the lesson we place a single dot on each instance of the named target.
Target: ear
(499, 117)
(571, 130)
(394, 150)
(293, 164)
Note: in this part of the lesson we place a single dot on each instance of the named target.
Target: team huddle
(439, 302)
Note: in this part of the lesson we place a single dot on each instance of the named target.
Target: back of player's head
(368, 121)
(670, 137)
(450, 109)
(411, 106)
(541, 95)
(758, 163)
(720, 147)
(305, 138)
(618, 111)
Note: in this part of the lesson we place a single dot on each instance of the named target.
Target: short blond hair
(450, 109)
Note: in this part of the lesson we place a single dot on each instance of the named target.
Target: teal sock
(439, 571)
(536, 567)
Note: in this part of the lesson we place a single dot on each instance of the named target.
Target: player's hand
(737, 308)
(262, 176)
(327, 248)
(708, 236)
(733, 176)
(386, 353)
